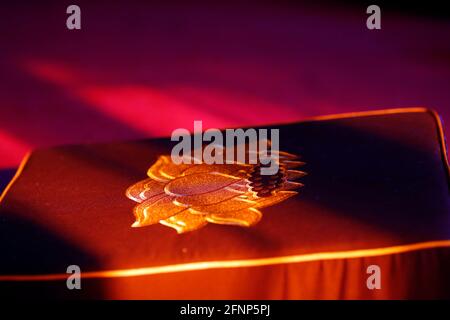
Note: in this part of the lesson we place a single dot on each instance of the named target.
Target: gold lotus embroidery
(187, 197)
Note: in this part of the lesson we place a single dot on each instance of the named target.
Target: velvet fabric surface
(377, 192)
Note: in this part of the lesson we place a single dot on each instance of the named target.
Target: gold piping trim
(441, 137)
(16, 175)
(367, 113)
(224, 264)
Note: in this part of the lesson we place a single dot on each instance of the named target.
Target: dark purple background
(139, 69)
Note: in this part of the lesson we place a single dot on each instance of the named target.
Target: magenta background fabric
(139, 70)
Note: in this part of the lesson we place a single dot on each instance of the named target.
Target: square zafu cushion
(376, 193)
